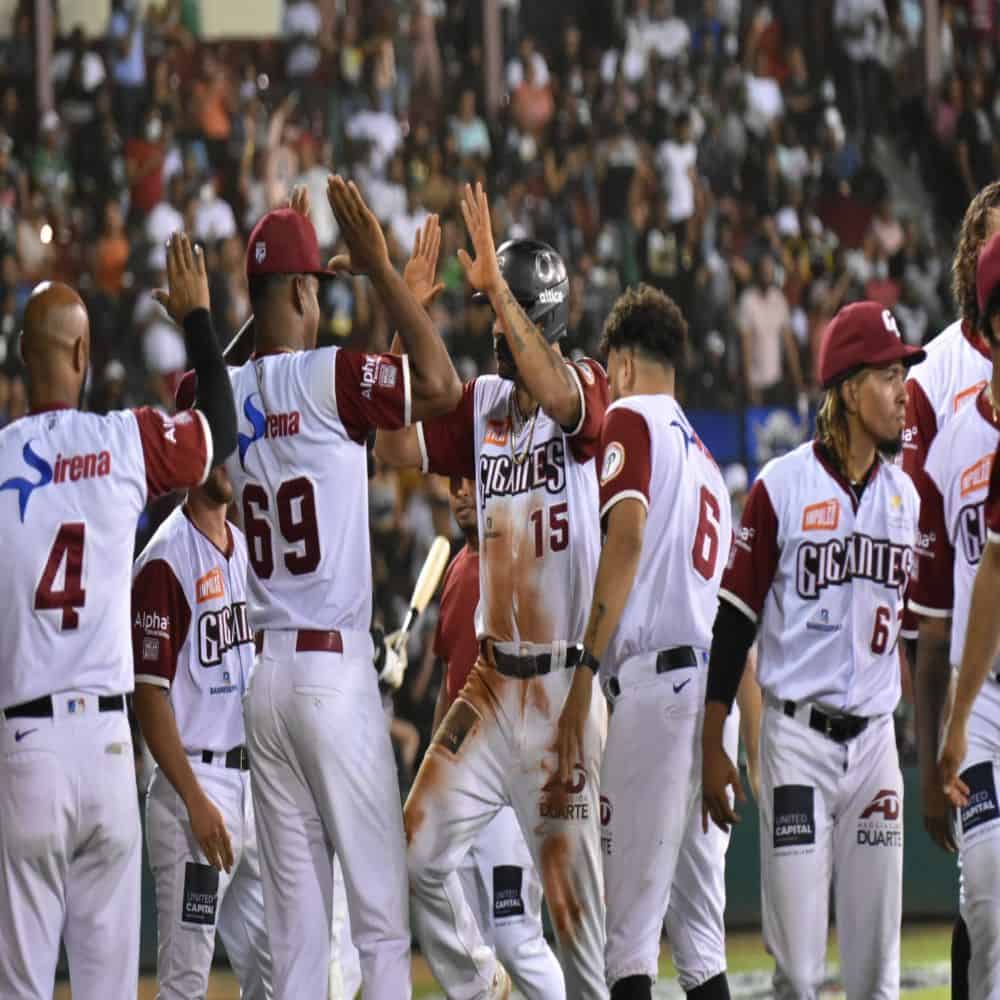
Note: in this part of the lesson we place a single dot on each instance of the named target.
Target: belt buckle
(244, 760)
(828, 726)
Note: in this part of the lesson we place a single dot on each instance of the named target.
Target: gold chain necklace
(520, 459)
(992, 402)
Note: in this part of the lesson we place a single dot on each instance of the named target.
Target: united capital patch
(201, 894)
(794, 816)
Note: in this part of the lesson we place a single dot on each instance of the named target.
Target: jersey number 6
(706, 537)
(296, 506)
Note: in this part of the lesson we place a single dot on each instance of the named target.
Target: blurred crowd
(762, 162)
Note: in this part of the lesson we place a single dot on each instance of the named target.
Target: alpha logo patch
(794, 816)
(614, 462)
(201, 894)
(507, 899)
(982, 807)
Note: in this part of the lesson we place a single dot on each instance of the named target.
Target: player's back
(686, 541)
(72, 487)
(301, 484)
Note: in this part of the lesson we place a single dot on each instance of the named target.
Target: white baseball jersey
(72, 487)
(953, 532)
(825, 572)
(651, 454)
(190, 629)
(539, 535)
(957, 366)
(301, 479)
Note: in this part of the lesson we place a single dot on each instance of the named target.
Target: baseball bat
(236, 337)
(427, 583)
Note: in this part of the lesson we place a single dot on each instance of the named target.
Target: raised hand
(366, 246)
(483, 273)
(299, 201)
(187, 280)
(421, 268)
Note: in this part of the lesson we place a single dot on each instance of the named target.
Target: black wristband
(587, 659)
(214, 395)
(732, 638)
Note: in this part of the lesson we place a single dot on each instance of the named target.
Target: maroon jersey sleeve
(993, 502)
(931, 590)
(920, 428)
(753, 558)
(455, 640)
(160, 621)
(592, 381)
(447, 443)
(373, 390)
(177, 450)
(625, 458)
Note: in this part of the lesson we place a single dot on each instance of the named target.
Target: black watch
(587, 659)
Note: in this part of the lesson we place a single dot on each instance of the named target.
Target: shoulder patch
(614, 462)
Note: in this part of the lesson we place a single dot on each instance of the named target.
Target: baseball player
(72, 488)
(954, 531)
(498, 876)
(193, 654)
(324, 777)
(820, 565)
(528, 437)
(650, 646)
(957, 368)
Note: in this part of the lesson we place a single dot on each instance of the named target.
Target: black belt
(678, 658)
(531, 664)
(41, 708)
(236, 758)
(839, 728)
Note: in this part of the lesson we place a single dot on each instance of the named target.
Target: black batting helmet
(536, 276)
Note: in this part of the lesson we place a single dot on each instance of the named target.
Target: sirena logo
(66, 468)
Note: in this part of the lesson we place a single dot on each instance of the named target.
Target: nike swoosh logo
(18, 735)
(680, 687)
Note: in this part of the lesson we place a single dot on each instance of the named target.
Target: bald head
(55, 343)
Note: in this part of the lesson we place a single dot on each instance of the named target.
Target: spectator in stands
(144, 156)
(128, 62)
(469, 131)
(111, 252)
(677, 158)
(770, 353)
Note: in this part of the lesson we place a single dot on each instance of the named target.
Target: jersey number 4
(67, 550)
(296, 507)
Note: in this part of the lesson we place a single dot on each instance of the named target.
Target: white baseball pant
(501, 885)
(978, 828)
(324, 782)
(651, 780)
(70, 852)
(494, 748)
(193, 899)
(345, 962)
(831, 813)
(695, 923)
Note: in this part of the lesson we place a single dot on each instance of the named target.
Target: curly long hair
(971, 238)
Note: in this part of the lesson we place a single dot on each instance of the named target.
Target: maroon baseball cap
(862, 335)
(284, 242)
(988, 272)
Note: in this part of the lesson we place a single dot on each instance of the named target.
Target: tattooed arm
(540, 365)
(615, 576)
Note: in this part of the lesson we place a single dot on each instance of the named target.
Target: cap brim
(898, 352)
